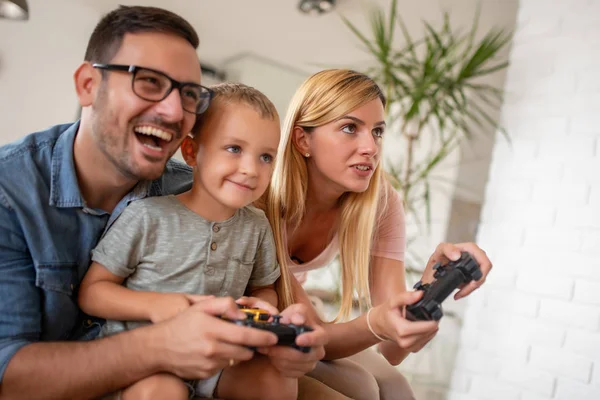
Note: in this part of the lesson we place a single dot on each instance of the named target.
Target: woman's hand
(445, 252)
(387, 320)
(292, 362)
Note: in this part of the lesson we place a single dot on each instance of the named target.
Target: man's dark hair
(108, 35)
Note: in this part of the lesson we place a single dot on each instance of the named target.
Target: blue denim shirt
(46, 237)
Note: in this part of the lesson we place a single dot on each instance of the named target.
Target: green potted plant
(436, 91)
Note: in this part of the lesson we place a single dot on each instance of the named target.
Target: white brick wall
(535, 331)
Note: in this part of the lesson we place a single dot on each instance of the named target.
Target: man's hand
(445, 252)
(289, 361)
(196, 343)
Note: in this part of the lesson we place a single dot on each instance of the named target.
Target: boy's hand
(250, 302)
(167, 305)
(289, 361)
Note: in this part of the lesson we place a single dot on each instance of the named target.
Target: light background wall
(37, 61)
(533, 331)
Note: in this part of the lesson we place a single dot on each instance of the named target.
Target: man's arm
(79, 369)
(192, 345)
(64, 370)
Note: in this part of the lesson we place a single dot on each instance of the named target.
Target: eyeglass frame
(175, 84)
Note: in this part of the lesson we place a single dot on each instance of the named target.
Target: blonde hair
(237, 93)
(321, 99)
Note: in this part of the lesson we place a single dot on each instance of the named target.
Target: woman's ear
(301, 140)
(189, 150)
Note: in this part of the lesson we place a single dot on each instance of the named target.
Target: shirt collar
(64, 187)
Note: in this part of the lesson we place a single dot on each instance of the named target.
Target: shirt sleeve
(390, 234)
(21, 305)
(120, 250)
(266, 269)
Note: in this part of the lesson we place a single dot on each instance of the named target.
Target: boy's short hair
(238, 93)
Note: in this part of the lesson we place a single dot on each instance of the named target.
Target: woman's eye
(378, 132)
(234, 149)
(267, 158)
(350, 128)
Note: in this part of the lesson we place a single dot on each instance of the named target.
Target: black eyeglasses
(153, 85)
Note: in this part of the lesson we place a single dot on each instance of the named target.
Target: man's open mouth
(152, 137)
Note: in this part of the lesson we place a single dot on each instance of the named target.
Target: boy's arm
(102, 295)
(266, 293)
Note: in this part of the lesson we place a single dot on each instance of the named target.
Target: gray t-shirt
(160, 245)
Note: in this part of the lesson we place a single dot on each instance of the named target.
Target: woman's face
(345, 152)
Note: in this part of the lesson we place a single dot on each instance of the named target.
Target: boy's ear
(301, 140)
(189, 149)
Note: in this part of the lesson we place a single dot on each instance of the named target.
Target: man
(60, 189)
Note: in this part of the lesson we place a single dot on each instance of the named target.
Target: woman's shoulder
(390, 202)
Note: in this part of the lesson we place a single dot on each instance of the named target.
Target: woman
(329, 193)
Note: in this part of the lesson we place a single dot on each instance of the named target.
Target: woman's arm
(101, 294)
(388, 295)
(387, 279)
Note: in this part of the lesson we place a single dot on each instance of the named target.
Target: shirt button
(72, 286)
(213, 246)
(216, 228)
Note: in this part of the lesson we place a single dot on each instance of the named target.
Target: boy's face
(234, 155)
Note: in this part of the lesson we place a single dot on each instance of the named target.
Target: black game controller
(447, 278)
(286, 333)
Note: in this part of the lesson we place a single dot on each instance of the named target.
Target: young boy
(163, 252)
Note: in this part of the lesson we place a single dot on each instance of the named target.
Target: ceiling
(275, 29)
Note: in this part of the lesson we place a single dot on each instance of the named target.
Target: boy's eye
(350, 128)
(267, 158)
(234, 149)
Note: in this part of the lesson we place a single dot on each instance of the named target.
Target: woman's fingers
(485, 265)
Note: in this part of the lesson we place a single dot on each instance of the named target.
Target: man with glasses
(60, 189)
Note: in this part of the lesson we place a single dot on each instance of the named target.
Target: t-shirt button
(216, 228)
(213, 246)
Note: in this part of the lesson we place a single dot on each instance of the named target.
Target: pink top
(389, 240)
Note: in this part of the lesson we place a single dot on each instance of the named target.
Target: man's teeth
(151, 131)
(362, 167)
